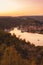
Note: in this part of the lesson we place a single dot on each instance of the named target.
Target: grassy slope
(17, 52)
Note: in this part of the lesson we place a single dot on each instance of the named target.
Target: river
(34, 38)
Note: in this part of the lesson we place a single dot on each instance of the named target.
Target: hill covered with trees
(24, 23)
(14, 51)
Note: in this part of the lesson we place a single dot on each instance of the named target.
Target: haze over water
(34, 38)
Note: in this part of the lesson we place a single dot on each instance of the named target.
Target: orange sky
(21, 7)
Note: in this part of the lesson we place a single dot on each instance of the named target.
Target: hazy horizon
(21, 7)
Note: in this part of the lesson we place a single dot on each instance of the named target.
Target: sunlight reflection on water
(34, 38)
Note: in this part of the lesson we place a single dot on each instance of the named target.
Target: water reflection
(34, 38)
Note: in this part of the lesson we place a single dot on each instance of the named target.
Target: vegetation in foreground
(17, 52)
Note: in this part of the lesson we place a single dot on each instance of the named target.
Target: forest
(14, 51)
(25, 23)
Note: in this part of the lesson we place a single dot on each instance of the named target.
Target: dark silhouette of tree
(14, 51)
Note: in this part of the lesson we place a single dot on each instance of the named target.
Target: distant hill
(25, 23)
(40, 18)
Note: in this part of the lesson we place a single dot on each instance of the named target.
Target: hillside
(17, 52)
(25, 23)
(40, 18)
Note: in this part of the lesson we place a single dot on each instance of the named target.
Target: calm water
(34, 38)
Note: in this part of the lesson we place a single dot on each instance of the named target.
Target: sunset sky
(21, 7)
